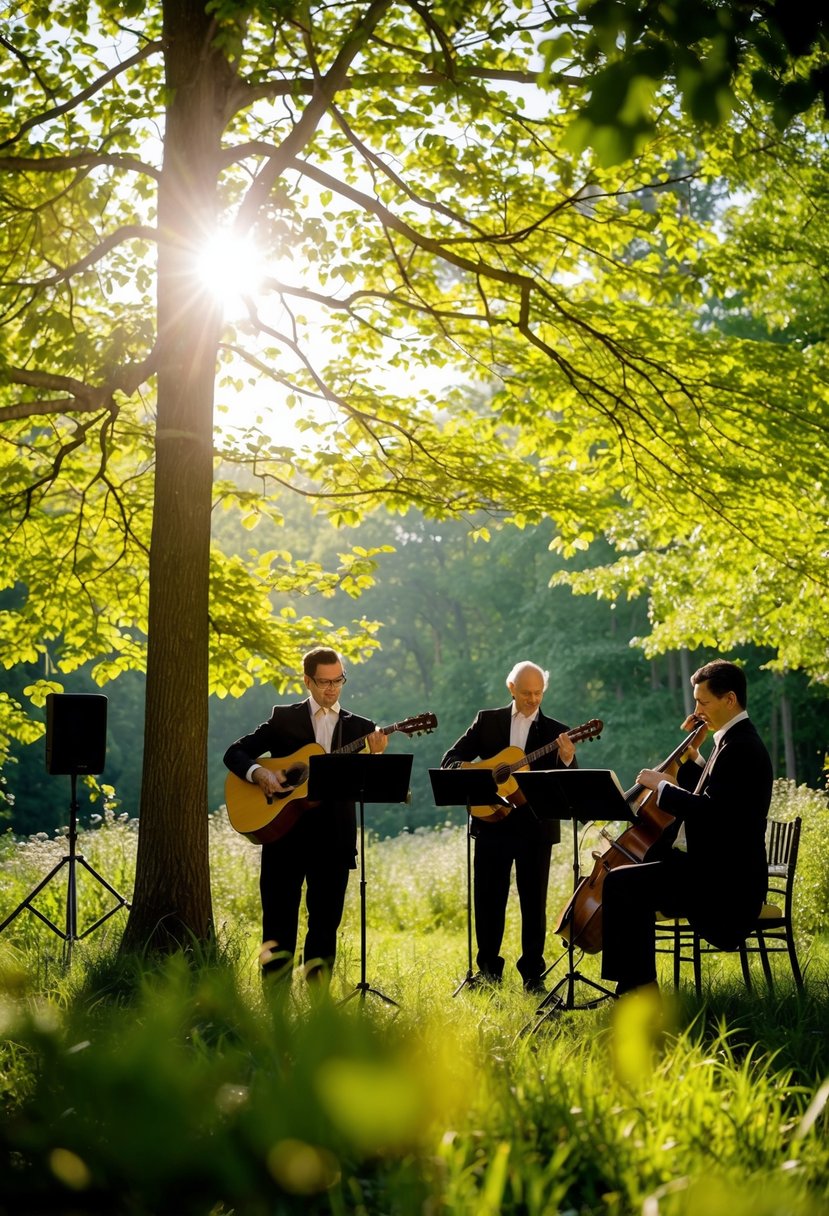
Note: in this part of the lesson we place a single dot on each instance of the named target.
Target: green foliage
(459, 315)
(627, 51)
(401, 905)
(15, 724)
(601, 392)
(447, 626)
(133, 1087)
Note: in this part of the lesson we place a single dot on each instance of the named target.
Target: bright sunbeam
(231, 267)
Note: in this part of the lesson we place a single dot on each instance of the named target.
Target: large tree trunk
(685, 680)
(788, 737)
(172, 904)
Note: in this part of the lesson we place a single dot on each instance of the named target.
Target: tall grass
(183, 1087)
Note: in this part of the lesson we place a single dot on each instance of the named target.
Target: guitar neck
(356, 744)
(536, 755)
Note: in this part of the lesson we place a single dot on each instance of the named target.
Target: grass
(181, 1087)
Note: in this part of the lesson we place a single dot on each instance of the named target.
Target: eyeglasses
(338, 683)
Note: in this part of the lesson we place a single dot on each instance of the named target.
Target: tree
(765, 288)
(433, 219)
(706, 49)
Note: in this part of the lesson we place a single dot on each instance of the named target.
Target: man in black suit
(521, 837)
(319, 849)
(715, 874)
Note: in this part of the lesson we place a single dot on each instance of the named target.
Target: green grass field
(180, 1087)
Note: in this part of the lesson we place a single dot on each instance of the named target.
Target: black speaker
(76, 732)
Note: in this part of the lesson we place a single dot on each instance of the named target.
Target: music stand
(581, 795)
(71, 859)
(360, 778)
(465, 787)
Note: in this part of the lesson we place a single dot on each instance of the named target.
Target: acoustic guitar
(512, 760)
(263, 819)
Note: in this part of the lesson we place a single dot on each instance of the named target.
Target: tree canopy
(707, 50)
(458, 312)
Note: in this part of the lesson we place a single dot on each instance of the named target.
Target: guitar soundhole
(501, 774)
(296, 775)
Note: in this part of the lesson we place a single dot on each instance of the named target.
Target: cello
(650, 834)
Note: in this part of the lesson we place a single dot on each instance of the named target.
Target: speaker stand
(72, 860)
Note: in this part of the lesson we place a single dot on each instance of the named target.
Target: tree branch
(37, 120)
(81, 398)
(324, 89)
(127, 233)
(84, 158)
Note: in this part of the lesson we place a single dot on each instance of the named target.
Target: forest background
(454, 613)
(535, 290)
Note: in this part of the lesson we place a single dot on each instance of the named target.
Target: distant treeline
(456, 613)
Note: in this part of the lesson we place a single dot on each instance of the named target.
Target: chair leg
(745, 966)
(677, 954)
(764, 959)
(790, 946)
(697, 956)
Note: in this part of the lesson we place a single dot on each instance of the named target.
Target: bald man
(520, 837)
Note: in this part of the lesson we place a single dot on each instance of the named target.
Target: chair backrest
(782, 846)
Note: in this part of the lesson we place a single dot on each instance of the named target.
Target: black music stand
(72, 859)
(360, 778)
(581, 795)
(465, 787)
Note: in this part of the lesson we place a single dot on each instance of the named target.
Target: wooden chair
(773, 933)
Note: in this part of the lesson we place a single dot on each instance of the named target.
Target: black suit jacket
(289, 728)
(725, 827)
(488, 735)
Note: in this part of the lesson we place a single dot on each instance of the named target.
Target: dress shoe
(535, 987)
(482, 980)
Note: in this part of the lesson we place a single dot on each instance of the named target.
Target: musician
(521, 838)
(715, 874)
(320, 849)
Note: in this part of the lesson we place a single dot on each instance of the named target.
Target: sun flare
(231, 267)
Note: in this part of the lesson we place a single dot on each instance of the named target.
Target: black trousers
(497, 849)
(302, 856)
(631, 895)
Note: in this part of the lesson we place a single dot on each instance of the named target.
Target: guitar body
(250, 812)
(513, 760)
(263, 820)
(509, 760)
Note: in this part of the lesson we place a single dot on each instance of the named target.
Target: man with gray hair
(512, 834)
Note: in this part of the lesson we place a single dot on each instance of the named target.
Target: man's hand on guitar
(566, 748)
(271, 783)
(377, 741)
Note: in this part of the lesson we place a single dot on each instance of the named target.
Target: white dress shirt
(324, 722)
(520, 727)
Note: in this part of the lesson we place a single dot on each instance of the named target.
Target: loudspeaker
(76, 732)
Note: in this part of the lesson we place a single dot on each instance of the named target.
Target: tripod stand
(580, 795)
(72, 860)
(465, 787)
(362, 778)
